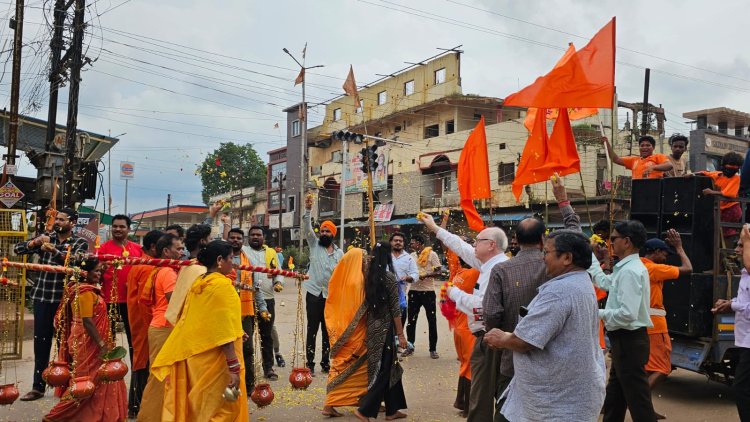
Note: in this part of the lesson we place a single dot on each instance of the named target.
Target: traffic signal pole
(370, 202)
(342, 188)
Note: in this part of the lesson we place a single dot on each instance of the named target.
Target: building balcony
(446, 200)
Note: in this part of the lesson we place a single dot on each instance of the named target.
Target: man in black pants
(48, 288)
(422, 294)
(324, 255)
(626, 317)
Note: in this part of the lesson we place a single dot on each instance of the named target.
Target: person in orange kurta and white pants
(659, 363)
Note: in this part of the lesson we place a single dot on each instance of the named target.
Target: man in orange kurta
(645, 166)
(659, 363)
(727, 183)
(139, 317)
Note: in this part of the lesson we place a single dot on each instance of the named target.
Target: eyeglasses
(545, 252)
(476, 242)
(613, 238)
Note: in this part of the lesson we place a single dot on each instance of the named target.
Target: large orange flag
(574, 113)
(543, 156)
(584, 79)
(474, 175)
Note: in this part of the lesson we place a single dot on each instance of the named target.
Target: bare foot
(397, 415)
(361, 417)
(331, 412)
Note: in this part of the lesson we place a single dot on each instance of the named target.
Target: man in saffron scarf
(139, 318)
(156, 294)
(347, 331)
(203, 355)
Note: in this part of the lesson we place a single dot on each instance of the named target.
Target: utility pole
(303, 144)
(56, 46)
(15, 85)
(72, 167)
(281, 202)
(169, 203)
(342, 188)
(645, 109)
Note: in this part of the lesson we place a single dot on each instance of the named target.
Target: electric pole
(72, 163)
(15, 85)
(56, 46)
(645, 109)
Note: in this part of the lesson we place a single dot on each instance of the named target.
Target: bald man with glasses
(488, 251)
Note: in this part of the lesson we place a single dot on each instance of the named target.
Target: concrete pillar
(723, 126)
(702, 121)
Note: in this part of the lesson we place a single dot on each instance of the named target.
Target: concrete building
(158, 219)
(718, 131)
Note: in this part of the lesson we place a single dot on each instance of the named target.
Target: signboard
(10, 169)
(355, 180)
(719, 145)
(287, 219)
(273, 221)
(383, 212)
(87, 227)
(10, 194)
(127, 170)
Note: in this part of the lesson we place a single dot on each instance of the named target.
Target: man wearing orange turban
(328, 224)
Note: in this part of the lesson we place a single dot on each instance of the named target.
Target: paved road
(430, 384)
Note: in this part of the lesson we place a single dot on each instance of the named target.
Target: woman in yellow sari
(347, 330)
(203, 355)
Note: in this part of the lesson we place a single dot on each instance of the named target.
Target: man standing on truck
(740, 305)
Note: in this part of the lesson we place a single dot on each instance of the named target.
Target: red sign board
(383, 212)
(10, 194)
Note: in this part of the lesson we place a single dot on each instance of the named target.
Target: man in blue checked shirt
(46, 293)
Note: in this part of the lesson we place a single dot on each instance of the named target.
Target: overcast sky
(180, 76)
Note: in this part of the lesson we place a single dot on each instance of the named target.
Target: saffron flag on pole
(474, 175)
(350, 86)
(300, 77)
(574, 113)
(584, 79)
(544, 156)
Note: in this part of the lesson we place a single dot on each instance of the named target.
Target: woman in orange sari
(347, 330)
(84, 314)
(203, 355)
(464, 278)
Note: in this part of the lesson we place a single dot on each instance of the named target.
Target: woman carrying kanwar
(203, 355)
(83, 317)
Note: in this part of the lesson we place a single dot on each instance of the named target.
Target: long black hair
(376, 291)
(218, 248)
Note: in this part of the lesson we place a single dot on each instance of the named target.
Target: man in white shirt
(488, 251)
(406, 270)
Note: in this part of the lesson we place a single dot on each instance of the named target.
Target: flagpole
(342, 188)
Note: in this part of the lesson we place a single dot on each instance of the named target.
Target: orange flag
(584, 79)
(300, 77)
(350, 86)
(474, 175)
(543, 156)
(575, 113)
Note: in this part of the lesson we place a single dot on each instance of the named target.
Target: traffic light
(342, 135)
(364, 159)
(372, 158)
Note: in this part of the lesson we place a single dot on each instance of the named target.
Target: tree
(231, 167)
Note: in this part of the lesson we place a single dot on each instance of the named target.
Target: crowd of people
(529, 313)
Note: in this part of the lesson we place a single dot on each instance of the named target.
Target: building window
(296, 131)
(431, 131)
(439, 76)
(409, 88)
(397, 129)
(477, 117)
(361, 106)
(506, 173)
(502, 145)
(336, 114)
(450, 127)
(450, 182)
(290, 200)
(278, 175)
(382, 96)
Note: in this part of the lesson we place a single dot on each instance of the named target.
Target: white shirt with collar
(470, 304)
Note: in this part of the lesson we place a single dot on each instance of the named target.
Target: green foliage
(300, 262)
(240, 167)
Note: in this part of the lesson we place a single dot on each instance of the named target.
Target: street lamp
(303, 144)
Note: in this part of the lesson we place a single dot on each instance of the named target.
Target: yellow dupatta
(424, 256)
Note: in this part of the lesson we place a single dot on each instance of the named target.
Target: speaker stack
(678, 203)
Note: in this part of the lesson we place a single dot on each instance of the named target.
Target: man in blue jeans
(406, 270)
